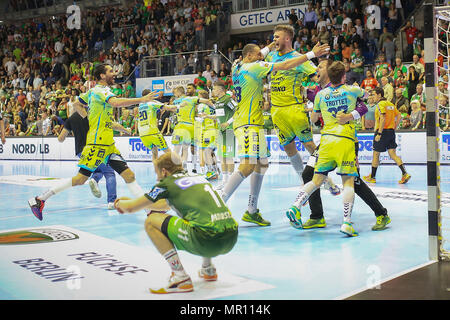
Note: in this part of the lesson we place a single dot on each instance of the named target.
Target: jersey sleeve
(382, 107)
(307, 67)
(261, 69)
(84, 98)
(232, 104)
(158, 192)
(108, 94)
(317, 100)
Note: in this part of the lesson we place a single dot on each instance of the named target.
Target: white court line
(347, 295)
(52, 212)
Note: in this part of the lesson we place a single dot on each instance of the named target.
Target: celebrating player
(100, 147)
(248, 122)
(204, 227)
(337, 144)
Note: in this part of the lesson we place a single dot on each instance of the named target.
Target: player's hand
(151, 96)
(3, 140)
(223, 126)
(271, 45)
(343, 118)
(377, 138)
(117, 204)
(321, 49)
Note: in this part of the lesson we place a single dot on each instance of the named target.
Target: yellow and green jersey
(207, 123)
(148, 118)
(186, 110)
(286, 85)
(330, 101)
(248, 87)
(100, 115)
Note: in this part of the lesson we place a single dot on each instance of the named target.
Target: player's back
(248, 86)
(186, 111)
(333, 100)
(148, 118)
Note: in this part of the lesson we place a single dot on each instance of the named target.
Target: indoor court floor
(275, 262)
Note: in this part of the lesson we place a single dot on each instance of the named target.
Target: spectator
(419, 95)
(444, 113)
(413, 81)
(382, 64)
(357, 65)
(411, 34)
(389, 49)
(200, 81)
(416, 115)
(388, 89)
(310, 17)
(400, 101)
(420, 68)
(46, 124)
(369, 83)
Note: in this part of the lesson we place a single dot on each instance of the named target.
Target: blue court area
(295, 264)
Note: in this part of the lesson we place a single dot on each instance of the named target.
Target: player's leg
(348, 198)
(295, 158)
(256, 179)
(111, 184)
(93, 182)
(316, 219)
(194, 153)
(211, 174)
(156, 226)
(371, 178)
(405, 175)
(37, 203)
(246, 168)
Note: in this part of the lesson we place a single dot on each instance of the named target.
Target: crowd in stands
(44, 65)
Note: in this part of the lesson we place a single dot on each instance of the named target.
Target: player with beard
(100, 147)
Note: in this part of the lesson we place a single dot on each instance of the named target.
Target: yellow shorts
(291, 122)
(93, 155)
(208, 138)
(154, 140)
(336, 153)
(251, 142)
(183, 134)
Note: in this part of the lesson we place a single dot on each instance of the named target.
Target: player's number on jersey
(237, 91)
(335, 111)
(142, 115)
(214, 195)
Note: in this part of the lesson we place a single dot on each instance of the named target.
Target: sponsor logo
(155, 192)
(137, 145)
(365, 143)
(36, 236)
(187, 182)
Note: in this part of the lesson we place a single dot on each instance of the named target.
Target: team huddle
(204, 225)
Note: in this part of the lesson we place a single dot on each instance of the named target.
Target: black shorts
(387, 141)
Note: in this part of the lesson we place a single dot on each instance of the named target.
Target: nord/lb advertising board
(242, 22)
(411, 148)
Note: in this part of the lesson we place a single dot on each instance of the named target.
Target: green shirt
(225, 109)
(193, 199)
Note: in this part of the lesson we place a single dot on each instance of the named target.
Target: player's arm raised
(318, 51)
(128, 205)
(118, 127)
(126, 102)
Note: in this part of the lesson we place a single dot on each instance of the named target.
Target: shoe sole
(256, 222)
(297, 224)
(177, 290)
(383, 228)
(207, 278)
(349, 234)
(315, 226)
(95, 190)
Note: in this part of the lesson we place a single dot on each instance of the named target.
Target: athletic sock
(135, 189)
(256, 180)
(304, 194)
(233, 183)
(207, 262)
(374, 172)
(297, 163)
(65, 184)
(172, 258)
(194, 161)
(402, 167)
(348, 197)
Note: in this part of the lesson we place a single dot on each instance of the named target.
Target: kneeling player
(205, 226)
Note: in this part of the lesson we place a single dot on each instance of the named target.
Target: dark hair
(99, 70)
(379, 91)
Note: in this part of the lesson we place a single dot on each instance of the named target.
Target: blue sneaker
(295, 217)
(36, 206)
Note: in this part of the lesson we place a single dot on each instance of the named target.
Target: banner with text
(163, 84)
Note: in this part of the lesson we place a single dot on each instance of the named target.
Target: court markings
(59, 262)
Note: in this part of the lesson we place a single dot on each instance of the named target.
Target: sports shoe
(176, 284)
(255, 218)
(369, 179)
(314, 223)
(405, 178)
(347, 228)
(211, 175)
(381, 223)
(111, 206)
(295, 217)
(334, 190)
(208, 273)
(94, 188)
(194, 170)
(36, 206)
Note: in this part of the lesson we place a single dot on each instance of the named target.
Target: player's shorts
(183, 133)
(387, 141)
(154, 140)
(251, 142)
(199, 241)
(226, 143)
(208, 138)
(336, 153)
(291, 122)
(94, 154)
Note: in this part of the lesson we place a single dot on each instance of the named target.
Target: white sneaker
(176, 284)
(94, 188)
(347, 228)
(208, 273)
(111, 206)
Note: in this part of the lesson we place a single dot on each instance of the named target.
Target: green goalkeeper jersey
(193, 198)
